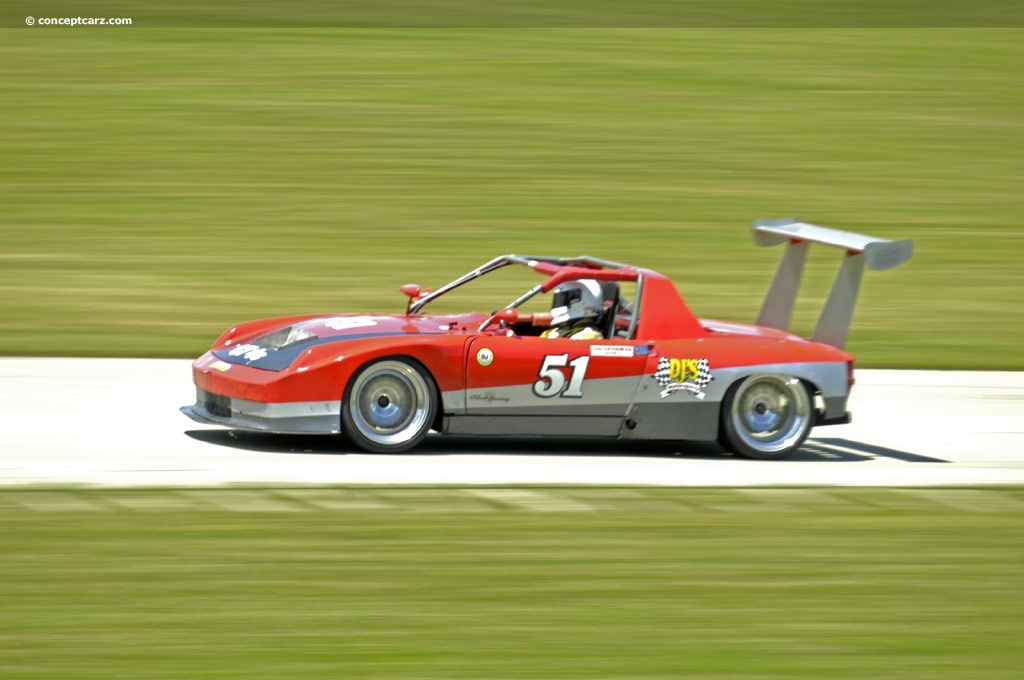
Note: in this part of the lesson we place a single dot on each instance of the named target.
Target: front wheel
(766, 416)
(389, 406)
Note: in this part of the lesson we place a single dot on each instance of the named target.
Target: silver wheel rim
(389, 403)
(771, 413)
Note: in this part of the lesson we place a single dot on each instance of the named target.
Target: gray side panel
(453, 401)
(575, 426)
(697, 421)
(607, 397)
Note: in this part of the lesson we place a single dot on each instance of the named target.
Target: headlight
(285, 337)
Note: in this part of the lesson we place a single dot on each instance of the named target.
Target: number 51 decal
(552, 381)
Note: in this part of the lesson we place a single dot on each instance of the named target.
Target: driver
(575, 307)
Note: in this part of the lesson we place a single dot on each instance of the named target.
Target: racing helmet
(575, 300)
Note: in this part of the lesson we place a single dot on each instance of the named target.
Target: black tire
(766, 416)
(389, 406)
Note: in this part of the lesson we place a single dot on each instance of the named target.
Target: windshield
(493, 290)
(520, 282)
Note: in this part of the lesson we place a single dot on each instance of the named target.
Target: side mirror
(414, 292)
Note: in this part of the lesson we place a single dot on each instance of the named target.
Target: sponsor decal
(249, 352)
(344, 323)
(485, 356)
(221, 366)
(611, 350)
(691, 375)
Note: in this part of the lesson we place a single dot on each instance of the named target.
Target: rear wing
(834, 322)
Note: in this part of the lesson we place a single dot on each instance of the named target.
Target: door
(533, 385)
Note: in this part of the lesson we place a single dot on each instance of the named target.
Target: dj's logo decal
(691, 375)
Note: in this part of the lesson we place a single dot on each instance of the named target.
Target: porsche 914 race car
(648, 369)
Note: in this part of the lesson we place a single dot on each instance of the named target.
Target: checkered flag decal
(663, 376)
(663, 373)
(703, 374)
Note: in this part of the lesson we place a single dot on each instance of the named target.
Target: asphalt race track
(115, 422)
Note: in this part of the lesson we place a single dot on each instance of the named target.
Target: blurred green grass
(160, 185)
(531, 13)
(444, 583)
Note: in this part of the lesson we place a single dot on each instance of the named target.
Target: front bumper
(300, 417)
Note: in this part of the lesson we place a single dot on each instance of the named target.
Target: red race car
(594, 348)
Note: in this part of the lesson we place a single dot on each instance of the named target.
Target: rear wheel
(389, 406)
(766, 416)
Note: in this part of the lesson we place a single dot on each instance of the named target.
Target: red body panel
(663, 314)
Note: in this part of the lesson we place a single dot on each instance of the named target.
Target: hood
(277, 349)
(348, 325)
